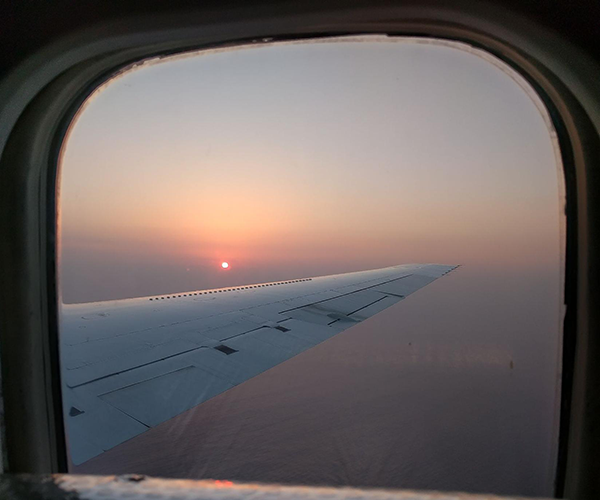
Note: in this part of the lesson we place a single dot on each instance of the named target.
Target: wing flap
(160, 398)
(122, 361)
(405, 286)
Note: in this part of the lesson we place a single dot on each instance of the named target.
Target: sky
(304, 159)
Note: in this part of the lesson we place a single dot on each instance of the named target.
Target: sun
(225, 265)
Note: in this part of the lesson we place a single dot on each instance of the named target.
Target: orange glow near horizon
(313, 171)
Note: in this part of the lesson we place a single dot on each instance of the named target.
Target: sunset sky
(304, 159)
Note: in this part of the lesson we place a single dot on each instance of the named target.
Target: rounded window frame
(48, 90)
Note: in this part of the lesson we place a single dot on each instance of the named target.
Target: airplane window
(416, 218)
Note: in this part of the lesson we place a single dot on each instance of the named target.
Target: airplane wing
(128, 365)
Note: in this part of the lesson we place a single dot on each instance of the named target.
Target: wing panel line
(349, 293)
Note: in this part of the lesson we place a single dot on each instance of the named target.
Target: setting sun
(224, 265)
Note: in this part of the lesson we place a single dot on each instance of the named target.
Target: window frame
(39, 100)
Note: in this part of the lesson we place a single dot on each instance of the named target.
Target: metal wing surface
(129, 365)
